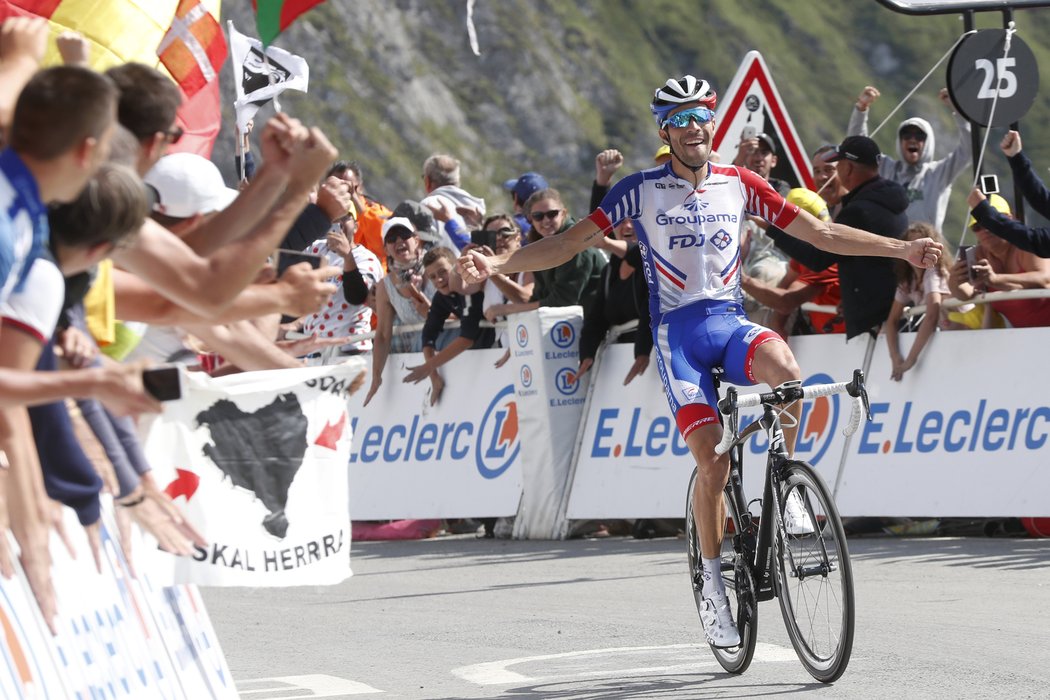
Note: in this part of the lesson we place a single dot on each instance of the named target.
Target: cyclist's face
(692, 143)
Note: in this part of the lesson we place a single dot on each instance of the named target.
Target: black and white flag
(260, 78)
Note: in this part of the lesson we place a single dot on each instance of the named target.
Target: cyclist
(687, 216)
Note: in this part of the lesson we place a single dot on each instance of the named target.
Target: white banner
(964, 434)
(545, 349)
(633, 462)
(116, 637)
(461, 458)
(260, 77)
(260, 459)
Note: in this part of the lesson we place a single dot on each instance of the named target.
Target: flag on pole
(259, 76)
(274, 16)
(193, 50)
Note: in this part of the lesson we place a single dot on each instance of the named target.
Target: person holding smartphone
(1033, 239)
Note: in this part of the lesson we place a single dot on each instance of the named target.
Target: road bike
(799, 557)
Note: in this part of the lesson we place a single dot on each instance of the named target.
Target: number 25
(1007, 83)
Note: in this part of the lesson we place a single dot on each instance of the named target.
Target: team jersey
(690, 238)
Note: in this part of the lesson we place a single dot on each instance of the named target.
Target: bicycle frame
(755, 542)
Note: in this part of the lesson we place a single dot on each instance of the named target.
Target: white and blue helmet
(681, 91)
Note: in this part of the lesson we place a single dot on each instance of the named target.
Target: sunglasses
(913, 134)
(400, 232)
(701, 115)
(505, 231)
(551, 215)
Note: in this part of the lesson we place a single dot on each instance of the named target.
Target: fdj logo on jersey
(522, 336)
(493, 440)
(563, 334)
(627, 433)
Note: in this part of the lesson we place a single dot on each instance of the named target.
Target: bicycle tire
(738, 581)
(814, 578)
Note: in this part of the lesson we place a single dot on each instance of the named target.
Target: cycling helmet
(680, 91)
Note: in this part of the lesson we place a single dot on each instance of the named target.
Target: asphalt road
(588, 619)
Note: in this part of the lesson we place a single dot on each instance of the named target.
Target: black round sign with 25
(979, 75)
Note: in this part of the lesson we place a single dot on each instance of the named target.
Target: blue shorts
(690, 341)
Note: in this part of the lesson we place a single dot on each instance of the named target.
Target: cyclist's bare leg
(775, 364)
(712, 473)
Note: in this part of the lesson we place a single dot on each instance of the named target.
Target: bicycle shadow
(976, 553)
(656, 687)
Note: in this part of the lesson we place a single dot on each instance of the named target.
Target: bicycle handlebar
(793, 391)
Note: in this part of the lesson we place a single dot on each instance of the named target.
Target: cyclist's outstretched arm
(540, 255)
(846, 240)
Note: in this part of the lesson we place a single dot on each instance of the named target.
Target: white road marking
(318, 685)
(499, 673)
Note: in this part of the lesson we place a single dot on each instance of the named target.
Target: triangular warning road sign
(753, 103)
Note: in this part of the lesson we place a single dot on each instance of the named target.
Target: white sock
(713, 576)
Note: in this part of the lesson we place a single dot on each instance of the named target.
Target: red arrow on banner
(185, 484)
(330, 434)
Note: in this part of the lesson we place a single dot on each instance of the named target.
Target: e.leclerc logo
(522, 336)
(562, 334)
(526, 376)
(494, 439)
(621, 433)
(565, 381)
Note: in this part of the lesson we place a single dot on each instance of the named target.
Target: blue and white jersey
(23, 222)
(689, 237)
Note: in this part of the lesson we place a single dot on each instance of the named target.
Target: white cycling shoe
(719, 626)
(796, 518)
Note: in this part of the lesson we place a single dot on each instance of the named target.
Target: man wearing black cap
(873, 204)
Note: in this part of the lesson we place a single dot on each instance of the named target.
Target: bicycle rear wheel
(814, 578)
(736, 573)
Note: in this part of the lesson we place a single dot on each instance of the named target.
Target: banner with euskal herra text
(258, 461)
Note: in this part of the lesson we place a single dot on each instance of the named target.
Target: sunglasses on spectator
(400, 232)
(173, 135)
(551, 215)
(504, 231)
(701, 115)
(916, 134)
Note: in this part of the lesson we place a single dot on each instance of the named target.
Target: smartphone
(969, 254)
(749, 132)
(163, 383)
(482, 237)
(287, 258)
(989, 184)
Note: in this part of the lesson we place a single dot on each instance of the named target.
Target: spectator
(347, 312)
(801, 284)
(928, 182)
(403, 297)
(873, 204)
(426, 226)
(458, 210)
(1002, 266)
(662, 155)
(371, 215)
(572, 282)
(501, 289)
(520, 190)
(622, 296)
(759, 155)
(1027, 238)
(826, 180)
(438, 265)
(917, 286)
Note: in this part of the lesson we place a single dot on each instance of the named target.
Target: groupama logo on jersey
(562, 334)
(627, 433)
(493, 441)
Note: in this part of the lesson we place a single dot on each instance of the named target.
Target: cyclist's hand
(924, 252)
(640, 364)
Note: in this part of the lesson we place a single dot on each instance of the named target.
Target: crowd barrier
(960, 436)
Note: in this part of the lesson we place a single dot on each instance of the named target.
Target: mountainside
(393, 81)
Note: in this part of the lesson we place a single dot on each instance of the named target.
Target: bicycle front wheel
(736, 572)
(813, 574)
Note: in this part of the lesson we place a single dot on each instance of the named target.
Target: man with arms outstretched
(687, 215)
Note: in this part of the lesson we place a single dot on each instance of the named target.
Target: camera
(989, 184)
(483, 237)
(287, 258)
(969, 254)
(163, 383)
